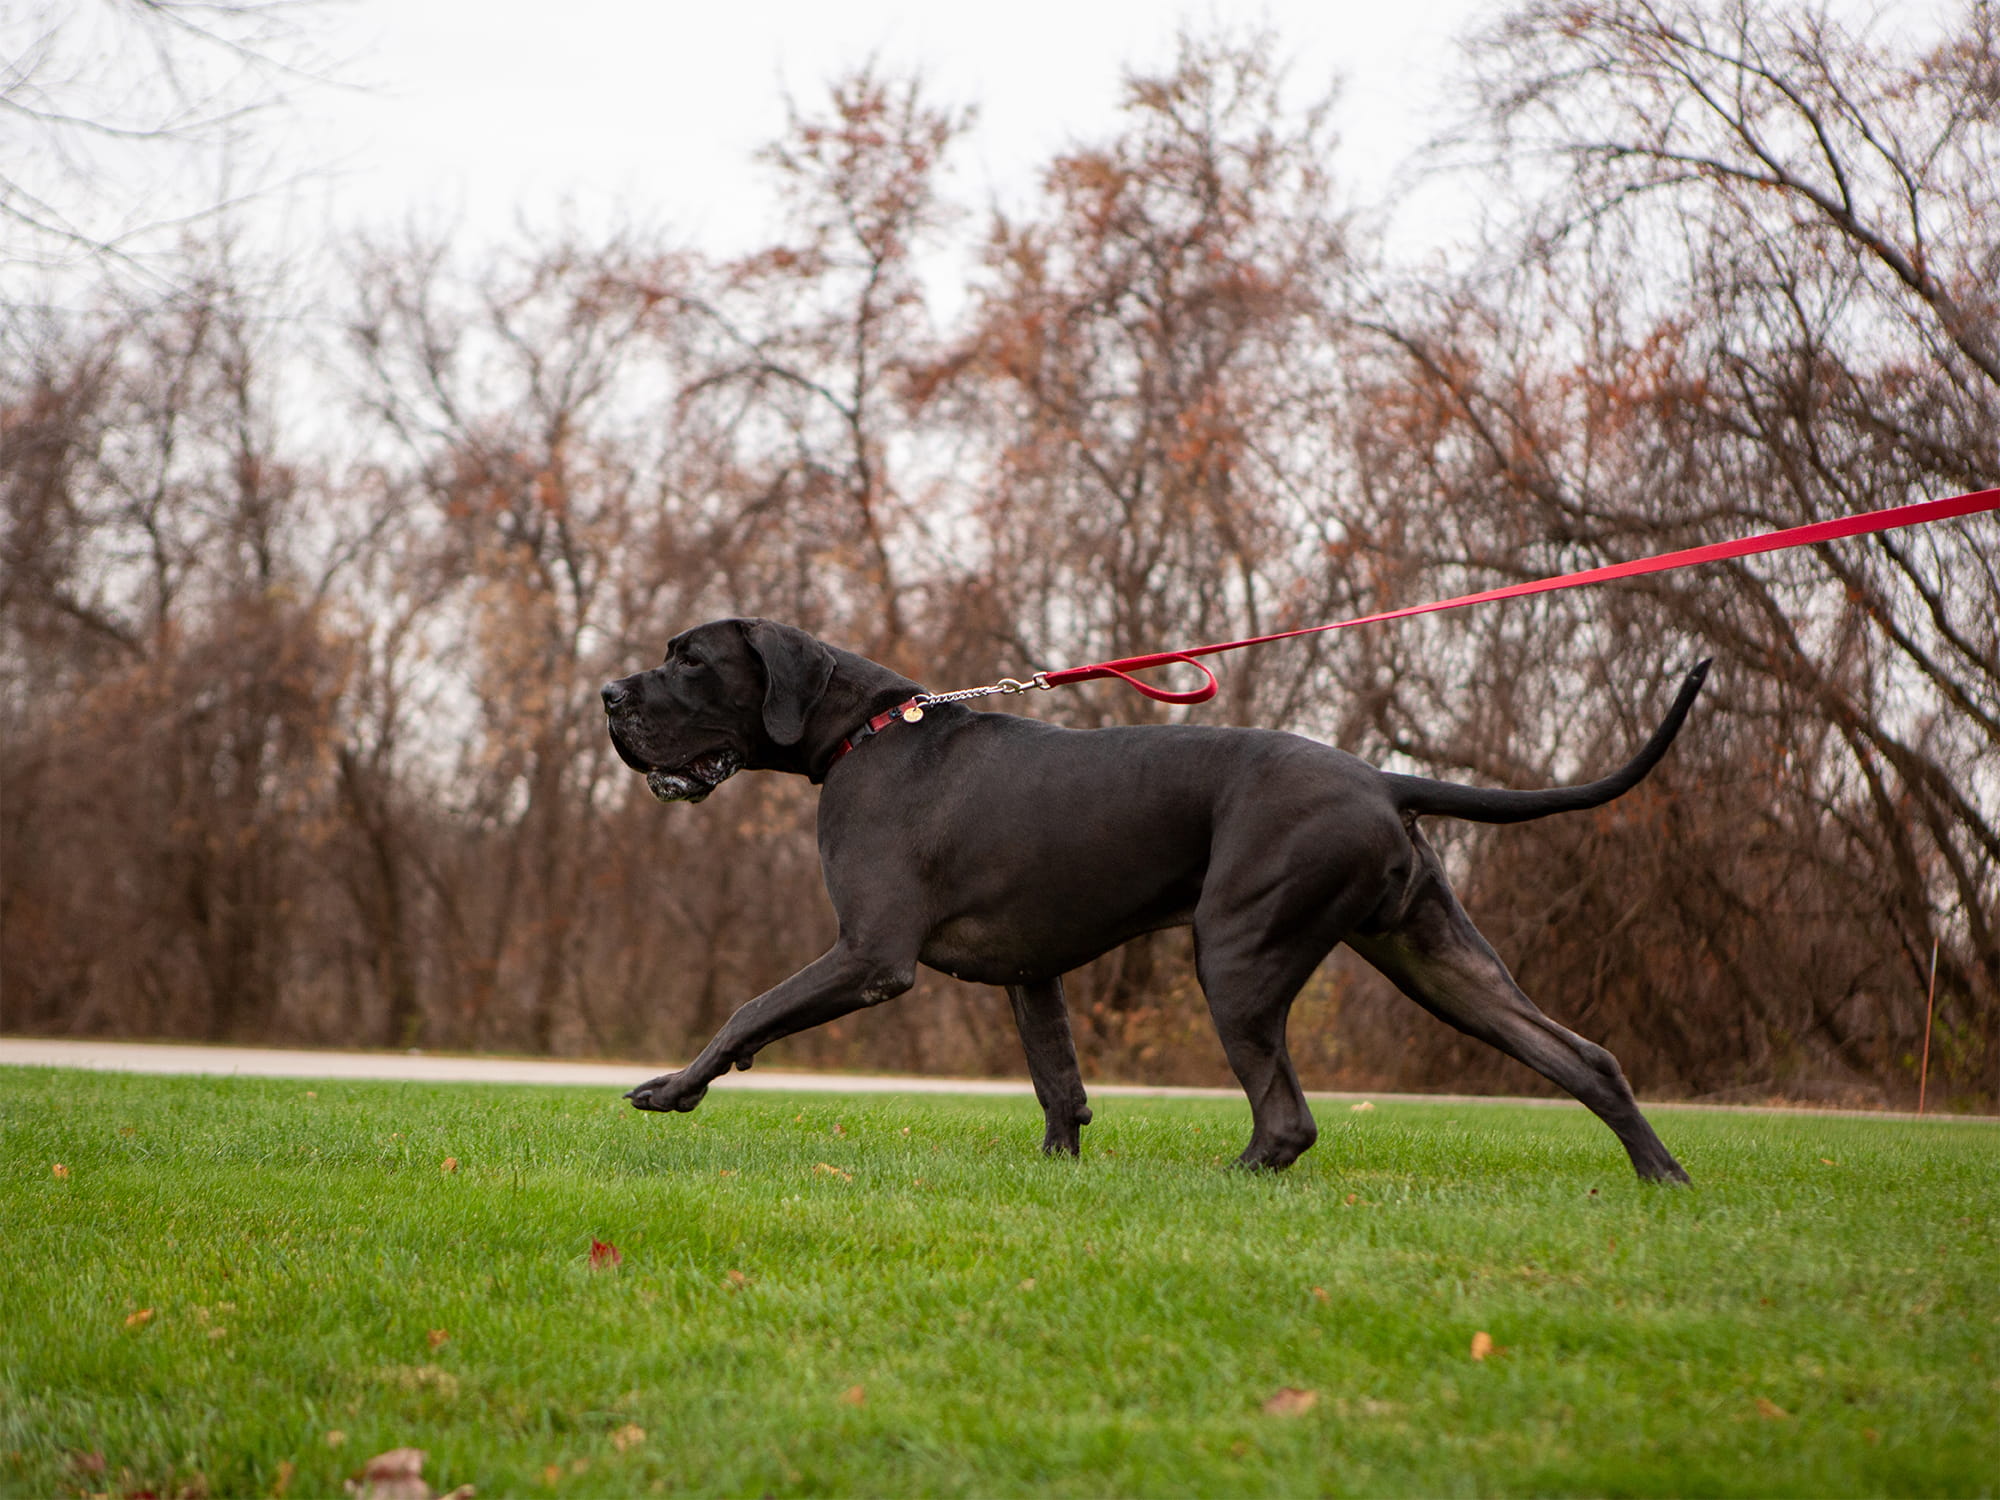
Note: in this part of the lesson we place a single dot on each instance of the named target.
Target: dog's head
(730, 694)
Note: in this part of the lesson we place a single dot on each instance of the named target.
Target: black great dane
(1008, 851)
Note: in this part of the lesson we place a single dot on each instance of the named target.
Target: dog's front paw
(670, 1093)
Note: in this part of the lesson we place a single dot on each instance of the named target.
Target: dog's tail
(1418, 794)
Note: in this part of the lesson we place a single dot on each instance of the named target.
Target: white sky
(488, 115)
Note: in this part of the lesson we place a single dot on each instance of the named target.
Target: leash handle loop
(1159, 695)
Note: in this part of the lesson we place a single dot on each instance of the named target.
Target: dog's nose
(615, 694)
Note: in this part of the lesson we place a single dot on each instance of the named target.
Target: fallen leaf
(312, 1093)
(628, 1436)
(1319, 1294)
(604, 1256)
(1352, 1198)
(1770, 1411)
(838, 1128)
(436, 1337)
(395, 1475)
(1289, 1401)
(140, 1318)
(832, 1171)
(737, 1278)
(551, 1474)
(128, 1130)
(855, 1395)
(727, 1172)
(449, 1164)
(1027, 1283)
(1362, 1108)
(59, 1169)
(1482, 1344)
(284, 1480)
(335, 1438)
(1827, 1161)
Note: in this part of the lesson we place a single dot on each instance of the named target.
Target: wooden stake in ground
(1930, 1012)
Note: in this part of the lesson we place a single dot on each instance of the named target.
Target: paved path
(266, 1062)
(430, 1067)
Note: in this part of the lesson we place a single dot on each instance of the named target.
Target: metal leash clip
(1004, 685)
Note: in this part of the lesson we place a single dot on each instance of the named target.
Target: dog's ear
(797, 668)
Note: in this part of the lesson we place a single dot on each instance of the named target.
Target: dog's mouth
(695, 780)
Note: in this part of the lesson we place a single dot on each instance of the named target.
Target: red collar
(910, 710)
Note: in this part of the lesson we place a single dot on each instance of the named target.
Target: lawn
(248, 1287)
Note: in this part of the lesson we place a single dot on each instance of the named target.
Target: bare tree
(124, 119)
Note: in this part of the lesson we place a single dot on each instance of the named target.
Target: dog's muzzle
(695, 780)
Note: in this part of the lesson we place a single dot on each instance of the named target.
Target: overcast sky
(485, 114)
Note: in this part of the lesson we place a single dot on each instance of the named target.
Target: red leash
(1770, 541)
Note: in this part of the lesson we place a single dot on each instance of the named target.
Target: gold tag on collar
(912, 715)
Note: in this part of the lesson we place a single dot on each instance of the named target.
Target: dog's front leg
(842, 979)
(1043, 1021)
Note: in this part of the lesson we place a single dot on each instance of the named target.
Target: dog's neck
(858, 690)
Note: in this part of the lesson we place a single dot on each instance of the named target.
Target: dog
(1007, 851)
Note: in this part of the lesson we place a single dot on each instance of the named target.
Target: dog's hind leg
(1043, 1021)
(1250, 984)
(1439, 959)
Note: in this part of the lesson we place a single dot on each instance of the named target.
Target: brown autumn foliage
(301, 740)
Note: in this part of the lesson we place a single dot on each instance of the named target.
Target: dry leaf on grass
(604, 1256)
(58, 1169)
(140, 1318)
(1770, 1411)
(399, 1475)
(628, 1436)
(830, 1170)
(436, 1337)
(335, 1438)
(737, 1279)
(1027, 1283)
(1483, 1346)
(1289, 1401)
(1362, 1108)
(449, 1164)
(1319, 1294)
(854, 1395)
(286, 1469)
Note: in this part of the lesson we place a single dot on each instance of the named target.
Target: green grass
(1015, 1325)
